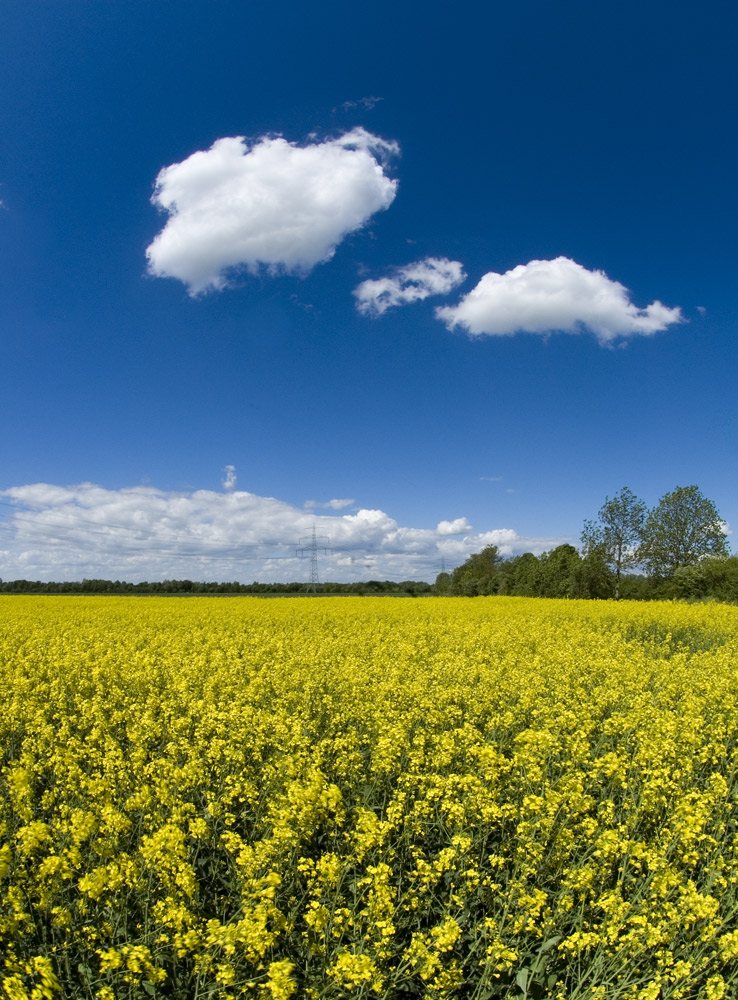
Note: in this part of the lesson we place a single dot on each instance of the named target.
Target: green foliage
(521, 576)
(712, 578)
(617, 533)
(559, 573)
(637, 587)
(681, 530)
(593, 576)
(478, 575)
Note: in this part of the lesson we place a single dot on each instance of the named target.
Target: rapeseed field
(360, 797)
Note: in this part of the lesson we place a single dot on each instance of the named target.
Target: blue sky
(542, 167)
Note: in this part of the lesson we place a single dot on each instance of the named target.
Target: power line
(313, 544)
(32, 527)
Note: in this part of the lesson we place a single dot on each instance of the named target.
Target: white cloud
(456, 527)
(367, 103)
(142, 533)
(558, 295)
(332, 504)
(230, 478)
(272, 203)
(412, 283)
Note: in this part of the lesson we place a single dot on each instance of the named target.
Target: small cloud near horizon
(330, 504)
(230, 478)
(144, 533)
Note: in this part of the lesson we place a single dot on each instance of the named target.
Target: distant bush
(715, 579)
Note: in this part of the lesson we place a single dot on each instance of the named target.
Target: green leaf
(85, 972)
(521, 980)
(548, 945)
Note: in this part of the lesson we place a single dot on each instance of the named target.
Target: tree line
(676, 550)
(407, 588)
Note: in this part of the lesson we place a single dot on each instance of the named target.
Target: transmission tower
(311, 545)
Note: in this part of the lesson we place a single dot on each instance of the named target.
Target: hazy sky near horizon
(428, 278)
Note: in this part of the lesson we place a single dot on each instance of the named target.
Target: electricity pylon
(313, 544)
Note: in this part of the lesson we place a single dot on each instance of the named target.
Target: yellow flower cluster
(362, 797)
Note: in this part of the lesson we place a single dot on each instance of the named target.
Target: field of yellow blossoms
(369, 798)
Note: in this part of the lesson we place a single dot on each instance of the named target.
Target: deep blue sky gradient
(603, 132)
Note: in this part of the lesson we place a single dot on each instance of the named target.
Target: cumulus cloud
(143, 533)
(272, 204)
(558, 295)
(412, 283)
(457, 527)
(230, 478)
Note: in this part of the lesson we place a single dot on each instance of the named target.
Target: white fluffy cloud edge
(271, 204)
(540, 297)
(276, 206)
(555, 296)
(412, 283)
(144, 533)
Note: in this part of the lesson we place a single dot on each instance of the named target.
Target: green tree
(593, 577)
(617, 533)
(681, 530)
(520, 576)
(478, 575)
(711, 579)
(558, 572)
